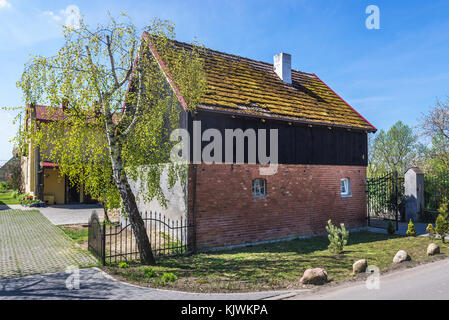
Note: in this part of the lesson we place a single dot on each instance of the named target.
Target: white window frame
(258, 190)
(345, 187)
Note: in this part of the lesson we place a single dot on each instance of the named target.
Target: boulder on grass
(314, 276)
(401, 256)
(433, 249)
(360, 266)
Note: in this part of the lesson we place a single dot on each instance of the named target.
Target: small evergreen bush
(338, 237)
(411, 231)
(430, 230)
(390, 228)
(442, 223)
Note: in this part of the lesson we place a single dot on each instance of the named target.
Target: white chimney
(283, 66)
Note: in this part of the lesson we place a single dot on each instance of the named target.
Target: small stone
(401, 256)
(360, 266)
(314, 276)
(433, 249)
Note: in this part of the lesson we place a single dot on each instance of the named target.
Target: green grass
(278, 265)
(7, 198)
(77, 233)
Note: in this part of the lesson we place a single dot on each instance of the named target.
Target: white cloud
(52, 15)
(4, 4)
(71, 15)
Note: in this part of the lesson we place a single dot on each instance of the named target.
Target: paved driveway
(31, 244)
(92, 283)
(67, 213)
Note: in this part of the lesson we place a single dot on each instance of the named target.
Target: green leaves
(91, 75)
(393, 150)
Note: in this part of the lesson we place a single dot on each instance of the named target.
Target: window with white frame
(345, 187)
(259, 188)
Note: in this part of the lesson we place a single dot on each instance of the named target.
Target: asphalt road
(425, 282)
(92, 283)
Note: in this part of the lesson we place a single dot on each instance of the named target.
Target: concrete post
(414, 193)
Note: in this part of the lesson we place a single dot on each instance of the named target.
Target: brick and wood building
(322, 156)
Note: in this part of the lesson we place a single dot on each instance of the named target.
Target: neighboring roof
(47, 164)
(239, 84)
(49, 113)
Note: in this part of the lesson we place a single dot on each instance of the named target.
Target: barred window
(259, 188)
(345, 187)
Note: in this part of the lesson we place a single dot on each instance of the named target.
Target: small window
(345, 187)
(259, 188)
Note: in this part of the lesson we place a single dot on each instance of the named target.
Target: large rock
(433, 249)
(401, 256)
(314, 276)
(360, 266)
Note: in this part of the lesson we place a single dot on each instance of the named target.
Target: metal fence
(385, 199)
(116, 242)
(436, 190)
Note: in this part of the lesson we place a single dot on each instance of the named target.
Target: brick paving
(31, 244)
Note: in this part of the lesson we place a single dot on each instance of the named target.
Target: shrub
(442, 225)
(430, 230)
(4, 186)
(148, 272)
(123, 265)
(411, 231)
(338, 237)
(390, 228)
(169, 277)
(15, 194)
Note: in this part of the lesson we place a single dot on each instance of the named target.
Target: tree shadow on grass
(276, 260)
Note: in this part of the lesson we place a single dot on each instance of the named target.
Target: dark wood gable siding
(298, 143)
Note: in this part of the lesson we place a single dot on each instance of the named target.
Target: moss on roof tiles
(241, 84)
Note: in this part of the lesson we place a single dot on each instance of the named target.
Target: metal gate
(96, 237)
(385, 197)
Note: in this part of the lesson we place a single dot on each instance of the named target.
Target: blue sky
(394, 73)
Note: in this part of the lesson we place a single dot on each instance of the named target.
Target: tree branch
(111, 60)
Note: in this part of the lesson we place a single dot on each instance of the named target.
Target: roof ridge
(242, 57)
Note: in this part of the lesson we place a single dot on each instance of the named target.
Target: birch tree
(119, 110)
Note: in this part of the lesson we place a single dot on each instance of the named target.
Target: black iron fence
(436, 190)
(385, 199)
(115, 242)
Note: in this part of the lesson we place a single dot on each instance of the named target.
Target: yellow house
(40, 176)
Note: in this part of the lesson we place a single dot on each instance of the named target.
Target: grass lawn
(7, 198)
(78, 233)
(274, 266)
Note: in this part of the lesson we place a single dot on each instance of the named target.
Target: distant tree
(435, 126)
(110, 135)
(393, 150)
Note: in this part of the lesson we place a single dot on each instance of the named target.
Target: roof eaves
(278, 117)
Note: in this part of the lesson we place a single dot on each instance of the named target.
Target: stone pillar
(414, 193)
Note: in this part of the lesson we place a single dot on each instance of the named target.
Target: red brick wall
(300, 200)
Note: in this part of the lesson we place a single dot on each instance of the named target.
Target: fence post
(397, 199)
(414, 193)
(103, 244)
